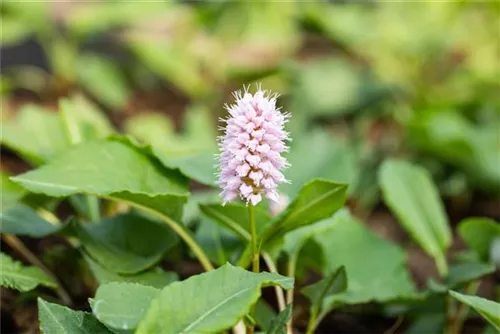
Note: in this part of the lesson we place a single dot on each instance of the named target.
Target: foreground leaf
(111, 168)
(479, 234)
(409, 192)
(23, 220)
(122, 305)
(155, 277)
(14, 275)
(488, 309)
(126, 243)
(465, 272)
(209, 302)
(62, 320)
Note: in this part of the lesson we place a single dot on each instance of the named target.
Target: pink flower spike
(250, 160)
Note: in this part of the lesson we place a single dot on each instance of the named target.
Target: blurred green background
(363, 82)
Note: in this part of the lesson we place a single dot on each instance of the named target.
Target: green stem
(93, 209)
(291, 268)
(255, 255)
(179, 229)
(311, 325)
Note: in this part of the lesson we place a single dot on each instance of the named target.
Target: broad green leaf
(115, 169)
(126, 243)
(490, 310)
(317, 200)
(14, 275)
(207, 303)
(409, 192)
(11, 192)
(382, 277)
(155, 277)
(62, 320)
(235, 218)
(35, 133)
(335, 160)
(334, 283)
(278, 325)
(23, 220)
(82, 120)
(478, 234)
(103, 79)
(122, 305)
(191, 151)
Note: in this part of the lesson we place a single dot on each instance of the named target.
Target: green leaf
(155, 277)
(103, 79)
(191, 151)
(23, 220)
(231, 293)
(409, 192)
(62, 320)
(122, 305)
(264, 314)
(278, 325)
(382, 277)
(11, 192)
(35, 133)
(464, 272)
(114, 169)
(126, 243)
(487, 308)
(235, 218)
(451, 137)
(479, 233)
(18, 277)
(334, 283)
(82, 120)
(317, 200)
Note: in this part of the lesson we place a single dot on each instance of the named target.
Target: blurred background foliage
(363, 82)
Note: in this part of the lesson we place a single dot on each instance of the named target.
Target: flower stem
(255, 255)
(255, 242)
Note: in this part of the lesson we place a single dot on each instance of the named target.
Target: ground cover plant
(251, 167)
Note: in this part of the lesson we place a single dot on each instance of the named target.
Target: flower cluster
(250, 162)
